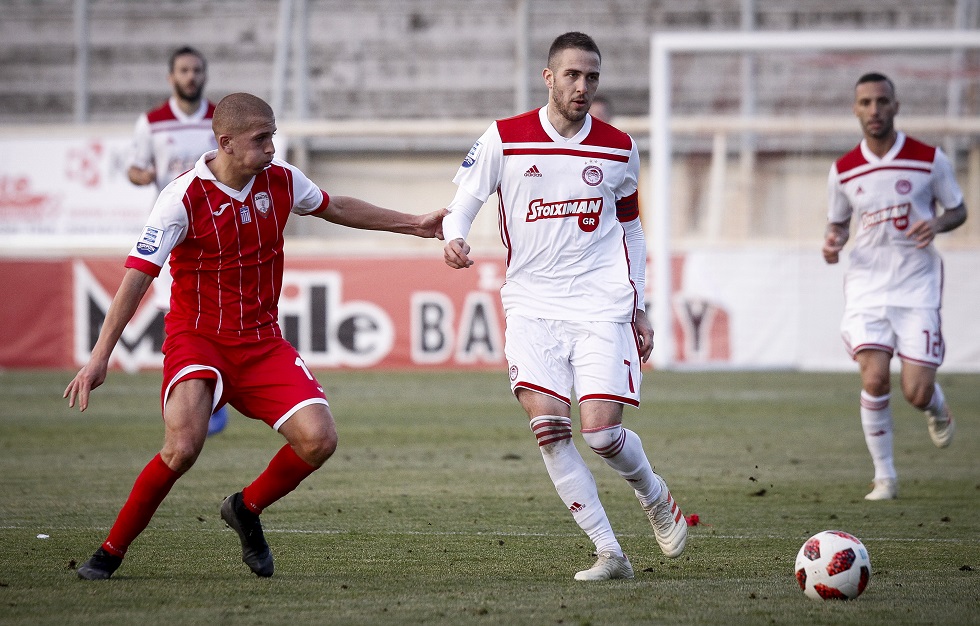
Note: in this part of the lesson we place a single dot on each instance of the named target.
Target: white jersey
(172, 141)
(886, 196)
(561, 204)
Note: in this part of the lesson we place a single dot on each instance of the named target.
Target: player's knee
(877, 386)
(604, 441)
(325, 447)
(180, 455)
(316, 447)
(919, 396)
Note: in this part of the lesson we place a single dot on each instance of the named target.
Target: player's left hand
(644, 332)
(87, 379)
(922, 232)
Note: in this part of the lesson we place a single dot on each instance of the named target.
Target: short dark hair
(573, 39)
(237, 112)
(875, 77)
(179, 52)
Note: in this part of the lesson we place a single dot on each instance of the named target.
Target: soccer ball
(833, 565)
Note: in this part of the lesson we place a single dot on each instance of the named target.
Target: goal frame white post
(662, 46)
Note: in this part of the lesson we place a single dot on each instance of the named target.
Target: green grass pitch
(436, 508)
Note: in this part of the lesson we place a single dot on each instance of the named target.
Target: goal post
(663, 48)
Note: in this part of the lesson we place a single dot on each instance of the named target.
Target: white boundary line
(449, 533)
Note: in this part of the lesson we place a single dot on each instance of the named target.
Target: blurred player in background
(167, 141)
(601, 109)
(891, 184)
(222, 226)
(573, 296)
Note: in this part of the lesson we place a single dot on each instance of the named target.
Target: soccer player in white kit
(168, 141)
(891, 184)
(573, 297)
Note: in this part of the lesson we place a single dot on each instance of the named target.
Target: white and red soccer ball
(833, 565)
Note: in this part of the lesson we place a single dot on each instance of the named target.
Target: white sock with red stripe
(622, 450)
(573, 480)
(876, 420)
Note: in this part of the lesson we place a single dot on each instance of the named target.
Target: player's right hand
(87, 379)
(832, 246)
(456, 253)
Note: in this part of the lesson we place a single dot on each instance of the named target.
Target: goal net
(743, 129)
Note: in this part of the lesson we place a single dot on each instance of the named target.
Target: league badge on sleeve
(472, 155)
(149, 241)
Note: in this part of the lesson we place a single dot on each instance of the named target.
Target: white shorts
(915, 333)
(599, 359)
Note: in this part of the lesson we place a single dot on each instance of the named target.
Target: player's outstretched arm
(123, 307)
(356, 213)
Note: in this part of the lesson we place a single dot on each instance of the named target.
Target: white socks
(876, 420)
(938, 401)
(622, 450)
(573, 480)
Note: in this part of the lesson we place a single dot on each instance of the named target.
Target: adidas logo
(532, 172)
(576, 507)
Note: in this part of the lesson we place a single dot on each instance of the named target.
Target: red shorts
(264, 379)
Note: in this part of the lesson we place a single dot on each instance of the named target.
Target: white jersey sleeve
(480, 173)
(167, 224)
(945, 188)
(307, 196)
(636, 247)
(141, 152)
(631, 181)
(839, 208)
(462, 212)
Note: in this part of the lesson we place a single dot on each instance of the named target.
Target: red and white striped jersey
(172, 141)
(886, 196)
(561, 202)
(227, 247)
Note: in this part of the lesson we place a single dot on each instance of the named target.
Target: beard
(565, 109)
(883, 131)
(192, 94)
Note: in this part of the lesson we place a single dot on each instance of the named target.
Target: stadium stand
(408, 59)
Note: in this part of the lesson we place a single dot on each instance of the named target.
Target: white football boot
(607, 567)
(669, 525)
(883, 489)
(941, 427)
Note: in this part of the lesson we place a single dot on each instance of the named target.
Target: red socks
(151, 487)
(285, 472)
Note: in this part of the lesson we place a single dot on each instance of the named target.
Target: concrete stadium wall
(419, 58)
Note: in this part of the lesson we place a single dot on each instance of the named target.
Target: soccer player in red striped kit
(223, 223)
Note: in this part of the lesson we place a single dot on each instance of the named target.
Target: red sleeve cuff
(136, 263)
(323, 204)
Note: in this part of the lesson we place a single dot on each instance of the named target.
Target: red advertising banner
(339, 313)
(734, 309)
